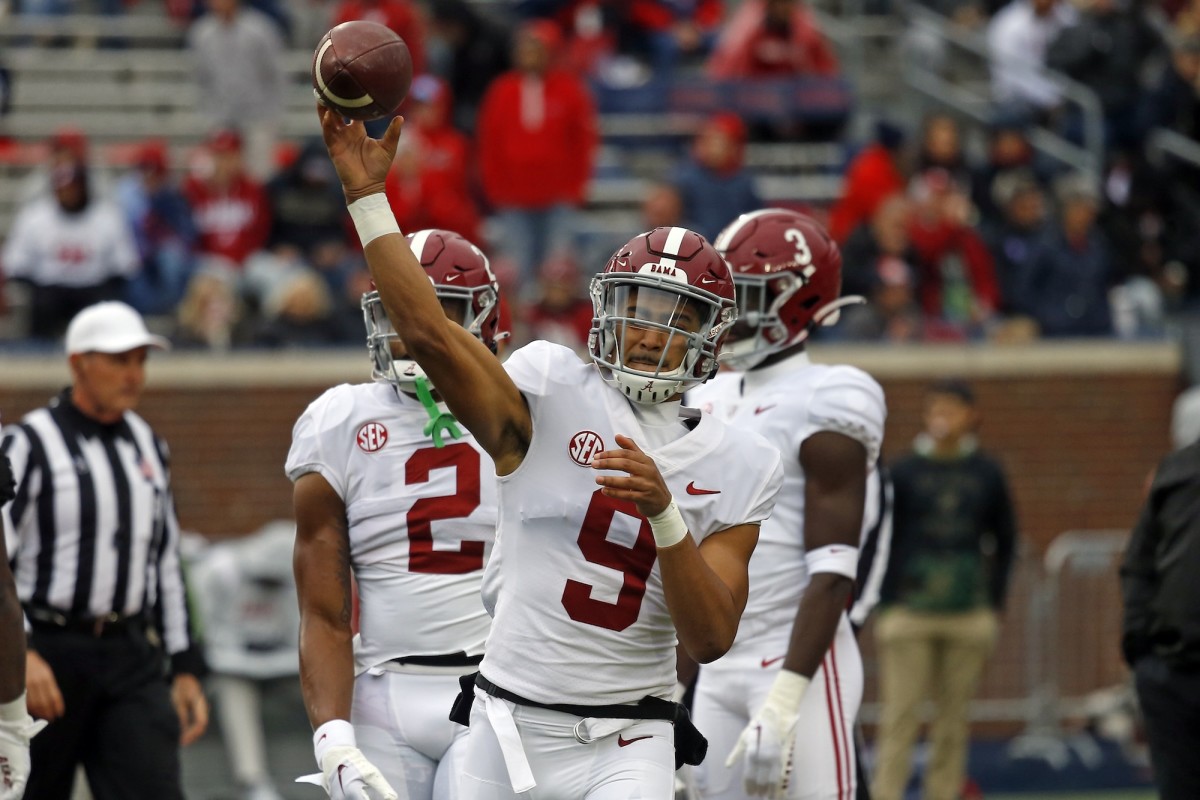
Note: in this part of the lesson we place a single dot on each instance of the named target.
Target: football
(362, 70)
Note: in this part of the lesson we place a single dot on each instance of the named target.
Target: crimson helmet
(788, 274)
(463, 279)
(663, 293)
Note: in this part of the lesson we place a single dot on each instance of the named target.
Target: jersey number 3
(634, 563)
(421, 555)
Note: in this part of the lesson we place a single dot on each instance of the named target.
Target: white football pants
(511, 746)
(403, 727)
(730, 692)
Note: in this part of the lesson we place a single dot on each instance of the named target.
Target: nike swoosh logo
(453, 276)
(766, 662)
(623, 742)
(761, 409)
(691, 489)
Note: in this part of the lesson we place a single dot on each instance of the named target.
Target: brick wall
(1077, 446)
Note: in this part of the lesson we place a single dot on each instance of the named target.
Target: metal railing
(976, 104)
(1163, 143)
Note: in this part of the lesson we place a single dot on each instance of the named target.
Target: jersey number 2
(634, 563)
(421, 555)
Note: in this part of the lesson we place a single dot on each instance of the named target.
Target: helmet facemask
(653, 337)
(759, 331)
(465, 306)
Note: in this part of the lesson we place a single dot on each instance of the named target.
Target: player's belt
(459, 659)
(647, 708)
(690, 744)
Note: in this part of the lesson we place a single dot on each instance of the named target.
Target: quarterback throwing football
(625, 520)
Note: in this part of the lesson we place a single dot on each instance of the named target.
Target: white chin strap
(647, 391)
(404, 374)
(745, 354)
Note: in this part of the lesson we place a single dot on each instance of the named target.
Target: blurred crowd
(244, 240)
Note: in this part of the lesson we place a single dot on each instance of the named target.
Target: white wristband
(372, 217)
(335, 733)
(668, 526)
(14, 710)
(840, 559)
(787, 691)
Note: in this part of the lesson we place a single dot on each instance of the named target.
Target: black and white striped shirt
(92, 530)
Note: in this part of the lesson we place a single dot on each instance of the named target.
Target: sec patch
(584, 446)
(371, 437)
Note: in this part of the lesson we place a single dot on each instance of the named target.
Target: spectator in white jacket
(1018, 37)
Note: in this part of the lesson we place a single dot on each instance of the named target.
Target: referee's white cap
(110, 327)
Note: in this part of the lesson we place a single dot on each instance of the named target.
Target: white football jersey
(786, 403)
(422, 519)
(580, 614)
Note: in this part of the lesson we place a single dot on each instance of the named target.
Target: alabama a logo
(584, 446)
(371, 437)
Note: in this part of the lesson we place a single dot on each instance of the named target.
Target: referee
(94, 544)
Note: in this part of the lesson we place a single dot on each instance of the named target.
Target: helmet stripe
(725, 237)
(418, 244)
(671, 248)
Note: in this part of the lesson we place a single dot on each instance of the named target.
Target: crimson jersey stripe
(833, 727)
(847, 745)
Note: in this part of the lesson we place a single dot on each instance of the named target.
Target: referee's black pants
(119, 721)
(1170, 700)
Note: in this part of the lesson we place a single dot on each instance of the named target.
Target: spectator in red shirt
(399, 15)
(562, 312)
(873, 176)
(672, 30)
(231, 209)
(957, 286)
(446, 151)
(421, 198)
(772, 38)
(537, 134)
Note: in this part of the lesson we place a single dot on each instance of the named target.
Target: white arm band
(787, 691)
(372, 217)
(841, 559)
(14, 710)
(668, 526)
(335, 733)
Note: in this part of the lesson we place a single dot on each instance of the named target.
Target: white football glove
(346, 773)
(16, 729)
(767, 741)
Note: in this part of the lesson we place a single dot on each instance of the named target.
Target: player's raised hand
(642, 483)
(362, 163)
